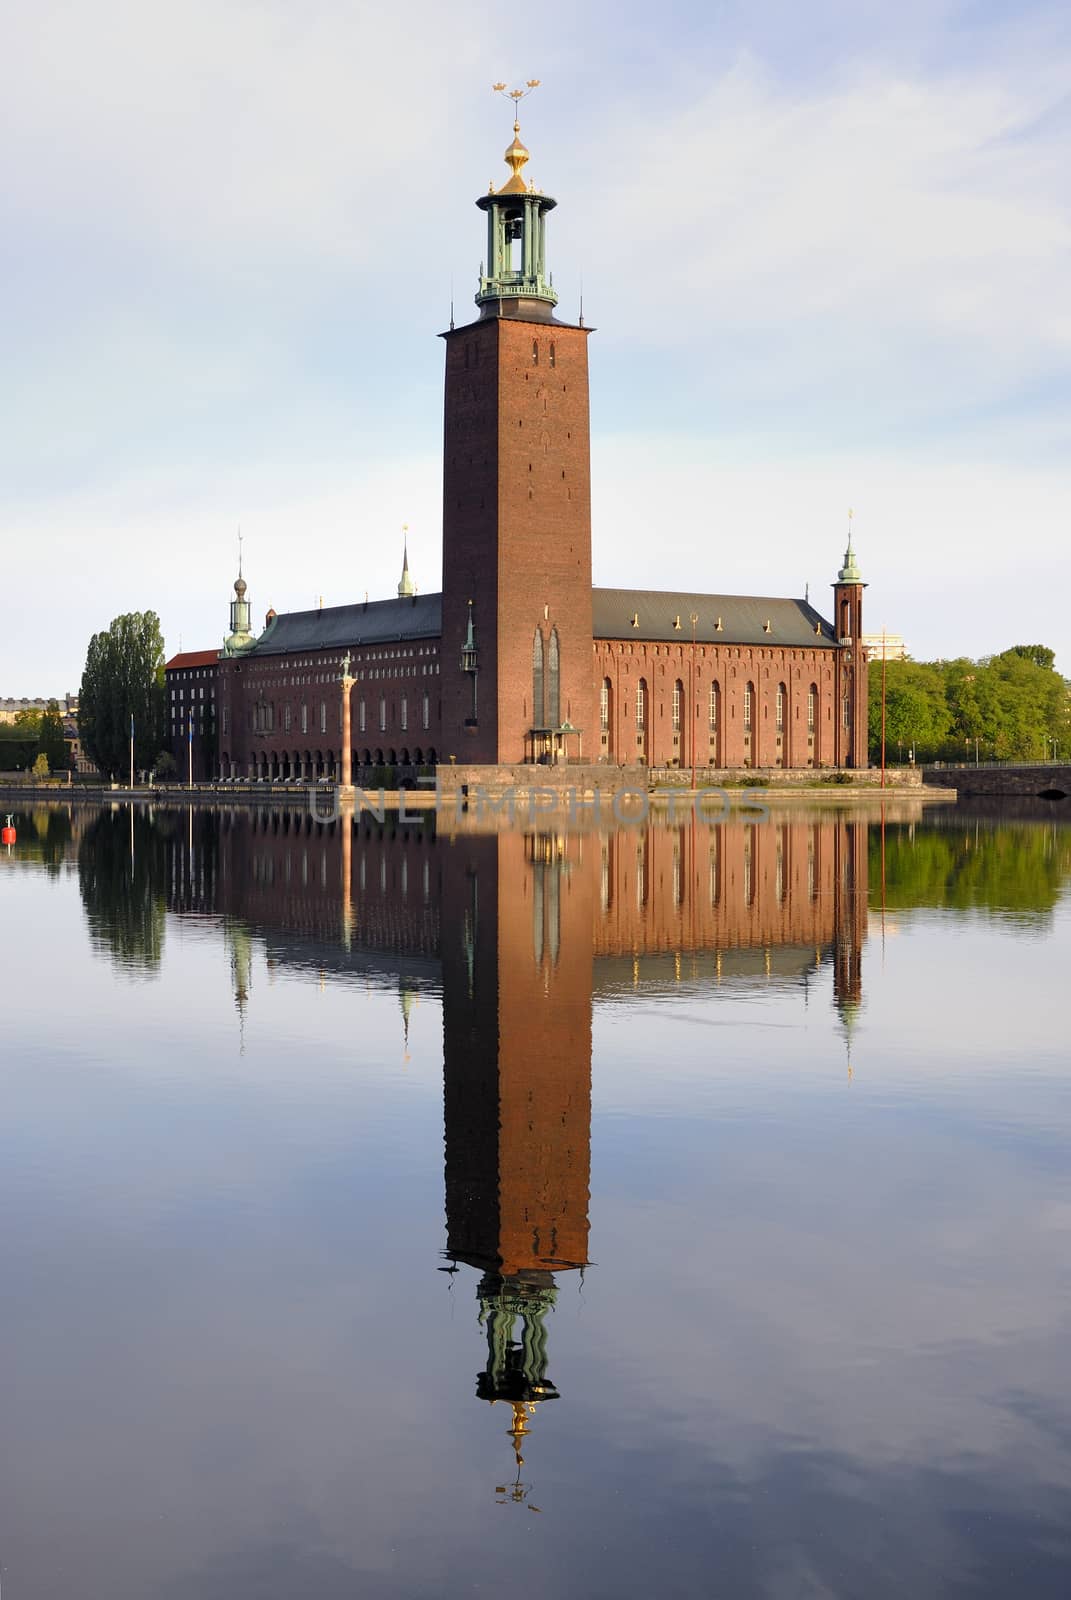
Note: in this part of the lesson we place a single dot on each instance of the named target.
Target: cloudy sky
(826, 247)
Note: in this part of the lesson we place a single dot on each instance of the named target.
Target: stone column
(347, 754)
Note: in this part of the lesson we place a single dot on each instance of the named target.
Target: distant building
(11, 707)
(891, 643)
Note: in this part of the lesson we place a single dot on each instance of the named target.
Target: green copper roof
(849, 573)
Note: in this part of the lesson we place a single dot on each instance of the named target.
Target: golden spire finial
(516, 157)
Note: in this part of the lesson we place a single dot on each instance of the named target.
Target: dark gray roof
(743, 618)
(418, 616)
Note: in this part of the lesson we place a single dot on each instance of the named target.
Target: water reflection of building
(525, 932)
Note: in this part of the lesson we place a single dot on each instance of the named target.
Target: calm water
(730, 1162)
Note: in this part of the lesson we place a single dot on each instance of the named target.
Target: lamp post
(693, 708)
(346, 681)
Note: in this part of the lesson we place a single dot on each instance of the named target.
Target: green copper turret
(516, 282)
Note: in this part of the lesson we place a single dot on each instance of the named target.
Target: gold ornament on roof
(516, 157)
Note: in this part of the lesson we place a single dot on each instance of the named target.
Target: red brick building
(191, 680)
(519, 659)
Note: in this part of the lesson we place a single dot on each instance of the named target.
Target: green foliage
(40, 766)
(29, 721)
(165, 765)
(122, 875)
(1013, 704)
(50, 741)
(17, 748)
(1012, 869)
(123, 678)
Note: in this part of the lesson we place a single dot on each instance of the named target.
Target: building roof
(191, 658)
(745, 618)
(375, 622)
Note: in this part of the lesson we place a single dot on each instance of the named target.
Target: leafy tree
(50, 741)
(123, 679)
(28, 722)
(1010, 706)
(40, 766)
(1039, 654)
(17, 749)
(166, 765)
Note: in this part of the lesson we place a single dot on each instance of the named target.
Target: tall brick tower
(516, 664)
(852, 710)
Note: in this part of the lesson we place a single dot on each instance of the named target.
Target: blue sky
(826, 249)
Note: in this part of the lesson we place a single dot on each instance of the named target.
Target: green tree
(28, 722)
(40, 766)
(1039, 654)
(1010, 706)
(50, 741)
(123, 679)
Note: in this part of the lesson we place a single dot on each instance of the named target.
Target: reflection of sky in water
(821, 1345)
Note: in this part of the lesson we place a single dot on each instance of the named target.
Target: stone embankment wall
(1042, 780)
(611, 779)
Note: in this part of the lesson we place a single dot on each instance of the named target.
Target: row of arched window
(641, 699)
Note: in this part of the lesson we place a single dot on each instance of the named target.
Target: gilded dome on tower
(516, 158)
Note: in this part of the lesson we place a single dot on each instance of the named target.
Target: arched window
(535, 352)
(713, 712)
(749, 696)
(678, 696)
(538, 716)
(641, 703)
(812, 707)
(780, 707)
(604, 705)
(553, 354)
(554, 682)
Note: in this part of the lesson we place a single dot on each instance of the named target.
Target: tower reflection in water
(525, 932)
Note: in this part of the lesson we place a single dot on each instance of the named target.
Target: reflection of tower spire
(241, 949)
(408, 998)
(516, 1371)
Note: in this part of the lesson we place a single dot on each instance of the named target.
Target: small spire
(516, 156)
(850, 572)
(406, 587)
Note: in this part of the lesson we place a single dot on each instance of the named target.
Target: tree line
(35, 742)
(1009, 707)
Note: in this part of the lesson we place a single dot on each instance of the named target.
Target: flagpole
(131, 752)
(883, 654)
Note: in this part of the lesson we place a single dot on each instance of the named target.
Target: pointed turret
(240, 637)
(406, 586)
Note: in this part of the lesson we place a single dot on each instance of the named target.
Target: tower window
(537, 680)
(749, 693)
(554, 681)
(553, 355)
(535, 352)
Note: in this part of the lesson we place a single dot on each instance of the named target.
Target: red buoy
(7, 832)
